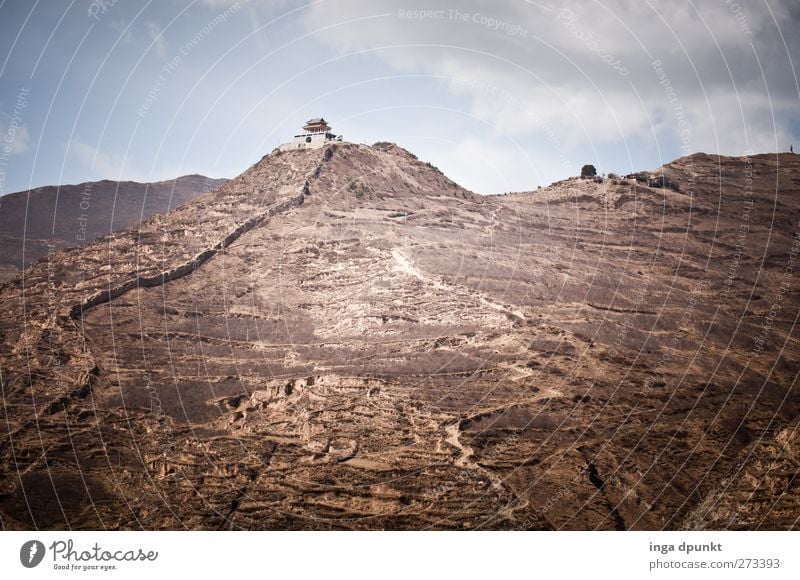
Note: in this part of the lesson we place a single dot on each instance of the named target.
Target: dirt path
(405, 265)
(453, 433)
(465, 461)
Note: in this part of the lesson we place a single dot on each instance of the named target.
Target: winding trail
(405, 265)
(465, 458)
(453, 432)
(465, 461)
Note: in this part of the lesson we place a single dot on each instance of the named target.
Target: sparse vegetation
(351, 318)
(662, 181)
(358, 188)
(658, 181)
(640, 177)
(588, 171)
(432, 166)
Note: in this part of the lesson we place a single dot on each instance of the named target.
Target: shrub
(432, 166)
(358, 188)
(588, 171)
(662, 181)
(640, 177)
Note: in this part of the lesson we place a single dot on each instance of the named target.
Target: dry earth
(41, 220)
(346, 339)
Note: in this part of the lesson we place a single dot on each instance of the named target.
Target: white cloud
(104, 165)
(157, 39)
(487, 167)
(222, 3)
(584, 71)
(101, 164)
(121, 27)
(15, 138)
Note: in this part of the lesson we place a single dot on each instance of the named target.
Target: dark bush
(358, 188)
(662, 181)
(588, 171)
(432, 166)
(640, 177)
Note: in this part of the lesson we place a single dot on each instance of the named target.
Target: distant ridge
(54, 217)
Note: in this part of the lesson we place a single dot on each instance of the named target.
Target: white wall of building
(308, 141)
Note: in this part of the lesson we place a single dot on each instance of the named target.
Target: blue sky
(502, 96)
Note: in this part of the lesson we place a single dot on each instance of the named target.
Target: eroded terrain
(346, 339)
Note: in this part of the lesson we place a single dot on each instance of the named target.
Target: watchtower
(316, 133)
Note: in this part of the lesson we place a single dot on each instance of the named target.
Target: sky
(501, 95)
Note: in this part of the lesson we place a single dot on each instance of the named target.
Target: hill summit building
(316, 133)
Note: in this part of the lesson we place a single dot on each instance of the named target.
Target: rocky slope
(346, 339)
(48, 218)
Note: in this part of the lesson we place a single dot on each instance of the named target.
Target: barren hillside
(346, 339)
(38, 221)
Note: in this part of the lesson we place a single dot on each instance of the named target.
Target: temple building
(316, 133)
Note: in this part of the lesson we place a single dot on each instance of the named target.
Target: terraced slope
(346, 339)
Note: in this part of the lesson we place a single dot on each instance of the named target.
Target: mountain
(344, 338)
(53, 217)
